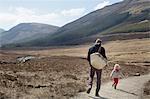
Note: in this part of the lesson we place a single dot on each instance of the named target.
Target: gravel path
(129, 88)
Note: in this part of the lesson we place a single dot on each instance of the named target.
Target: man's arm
(88, 56)
(103, 52)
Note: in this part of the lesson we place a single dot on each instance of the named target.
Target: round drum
(98, 61)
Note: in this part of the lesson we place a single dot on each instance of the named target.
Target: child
(115, 75)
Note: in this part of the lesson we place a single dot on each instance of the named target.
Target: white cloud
(101, 5)
(73, 12)
(21, 15)
(21, 10)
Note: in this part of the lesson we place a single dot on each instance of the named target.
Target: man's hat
(98, 41)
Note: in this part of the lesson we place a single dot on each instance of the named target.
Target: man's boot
(97, 95)
(88, 91)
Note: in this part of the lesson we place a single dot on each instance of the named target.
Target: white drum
(98, 61)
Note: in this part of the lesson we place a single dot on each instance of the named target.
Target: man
(96, 48)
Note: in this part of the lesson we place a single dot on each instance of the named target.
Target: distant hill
(128, 19)
(27, 31)
(1, 30)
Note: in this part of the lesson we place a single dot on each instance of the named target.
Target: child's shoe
(115, 87)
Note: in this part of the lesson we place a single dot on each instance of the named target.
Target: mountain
(128, 19)
(27, 31)
(1, 30)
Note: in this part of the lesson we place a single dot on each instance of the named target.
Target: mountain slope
(127, 12)
(124, 17)
(27, 31)
(1, 30)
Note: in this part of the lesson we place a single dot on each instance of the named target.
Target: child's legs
(116, 81)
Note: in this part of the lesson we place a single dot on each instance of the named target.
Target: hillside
(128, 19)
(1, 30)
(27, 31)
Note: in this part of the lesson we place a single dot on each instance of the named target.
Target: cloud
(101, 5)
(18, 15)
(73, 12)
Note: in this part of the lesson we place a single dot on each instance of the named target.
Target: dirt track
(127, 89)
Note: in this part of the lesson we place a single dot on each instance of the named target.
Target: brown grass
(59, 72)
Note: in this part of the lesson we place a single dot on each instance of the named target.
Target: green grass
(127, 28)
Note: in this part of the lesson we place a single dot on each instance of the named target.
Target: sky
(53, 12)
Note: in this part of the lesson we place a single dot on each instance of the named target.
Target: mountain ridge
(24, 31)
